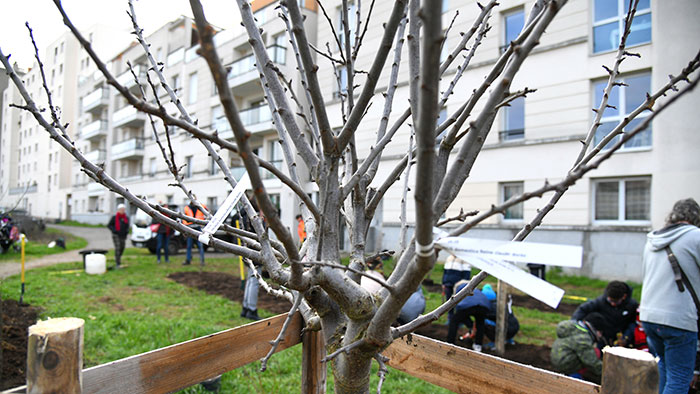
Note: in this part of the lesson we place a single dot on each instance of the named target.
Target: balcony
(94, 189)
(25, 189)
(255, 119)
(94, 130)
(129, 149)
(244, 74)
(191, 53)
(128, 117)
(95, 101)
(175, 57)
(96, 156)
(130, 178)
(126, 79)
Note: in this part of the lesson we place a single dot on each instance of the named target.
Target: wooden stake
(55, 356)
(629, 371)
(501, 317)
(313, 371)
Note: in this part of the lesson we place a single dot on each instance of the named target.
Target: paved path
(97, 238)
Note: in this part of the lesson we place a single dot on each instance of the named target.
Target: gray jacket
(662, 303)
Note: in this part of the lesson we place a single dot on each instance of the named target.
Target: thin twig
(280, 337)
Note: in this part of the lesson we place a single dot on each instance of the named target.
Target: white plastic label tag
(224, 210)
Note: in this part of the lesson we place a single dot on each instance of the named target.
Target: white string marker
(224, 210)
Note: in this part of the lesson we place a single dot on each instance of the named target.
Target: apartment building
(113, 133)
(537, 138)
(34, 170)
(534, 140)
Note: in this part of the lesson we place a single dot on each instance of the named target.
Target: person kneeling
(477, 306)
(574, 351)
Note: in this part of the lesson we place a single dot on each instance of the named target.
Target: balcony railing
(511, 135)
(128, 116)
(24, 189)
(255, 115)
(278, 54)
(128, 149)
(191, 53)
(127, 79)
(94, 188)
(95, 100)
(256, 118)
(175, 56)
(96, 156)
(94, 129)
(279, 164)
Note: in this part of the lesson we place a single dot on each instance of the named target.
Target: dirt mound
(228, 286)
(537, 356)
(16, 319)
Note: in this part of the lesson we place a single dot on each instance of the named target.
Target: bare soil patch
(16, 319)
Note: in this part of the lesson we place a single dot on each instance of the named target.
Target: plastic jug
(95, 264)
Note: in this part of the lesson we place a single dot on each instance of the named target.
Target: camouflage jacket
(574, 349)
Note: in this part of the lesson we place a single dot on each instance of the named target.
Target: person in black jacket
(619, 310)
(119, 225)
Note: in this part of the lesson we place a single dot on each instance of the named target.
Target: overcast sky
(47, 24)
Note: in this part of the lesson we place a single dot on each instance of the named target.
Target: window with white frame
(625, 200)
(352, 23)
(341, 82)
(213, 167)
(260, 16)
(513, 23)
(153, 167)
(609, 20)
(508, 191)
(513, 120)
(175, 84)
(192, 89)
(274, 156)
(188, 167)
(621, 102)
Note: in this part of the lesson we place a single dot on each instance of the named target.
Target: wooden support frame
(463, 371)
(467, 371)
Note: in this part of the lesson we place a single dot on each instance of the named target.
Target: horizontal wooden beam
(466, 371)
(185, 364)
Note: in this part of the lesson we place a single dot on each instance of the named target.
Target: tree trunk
(351, 373)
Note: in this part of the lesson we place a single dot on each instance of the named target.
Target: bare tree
(357, 325)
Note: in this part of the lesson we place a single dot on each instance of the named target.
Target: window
(445, 6)
(175, 84)
(352, 23)
(274, 156)
(218, 120)
(278, 51)
(514, 120)
(188, 167)
(213, 167)
(212, 204)
(513, 23)
(622, 101)
(622, 200)
(509, 190)
(192, 89)
(341, 82)
(153, 167)
(260, 16)
(609, 21)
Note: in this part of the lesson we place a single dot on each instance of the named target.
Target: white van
(141, 229)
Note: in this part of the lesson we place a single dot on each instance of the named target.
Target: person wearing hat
(119, 226)
(575, 350)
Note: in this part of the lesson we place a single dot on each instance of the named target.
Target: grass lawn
(78, 224)
(34, 249)
(138, 309)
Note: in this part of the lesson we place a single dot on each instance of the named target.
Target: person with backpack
(575, 350)
(119, 226)
(193, 211)
(669, 307)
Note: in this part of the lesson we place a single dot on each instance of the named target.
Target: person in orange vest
(301, 229)
(193, 211)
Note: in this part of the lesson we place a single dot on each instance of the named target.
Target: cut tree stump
(55, 356)
(629, 371)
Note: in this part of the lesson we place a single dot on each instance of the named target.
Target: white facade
(608, 212)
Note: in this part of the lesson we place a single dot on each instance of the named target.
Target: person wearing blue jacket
(476, 306)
